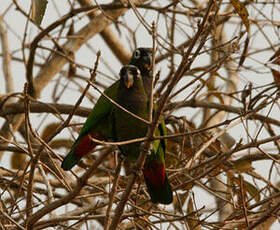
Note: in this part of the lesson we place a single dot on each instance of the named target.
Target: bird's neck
(147, 81)
(133, 100)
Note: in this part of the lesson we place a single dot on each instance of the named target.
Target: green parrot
(132, 96)
(99, 124)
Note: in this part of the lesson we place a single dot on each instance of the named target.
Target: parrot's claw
(134, 169)
(143, 148)
(121, 156)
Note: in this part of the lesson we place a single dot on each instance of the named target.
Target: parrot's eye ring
(137, 54)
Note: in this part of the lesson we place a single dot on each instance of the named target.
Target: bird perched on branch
(132, 96)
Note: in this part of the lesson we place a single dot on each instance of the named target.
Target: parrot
(99, 124)
(132, 96)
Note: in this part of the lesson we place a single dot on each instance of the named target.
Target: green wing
(99, 116)
(161, 131)
(99, 124)
(159, 146)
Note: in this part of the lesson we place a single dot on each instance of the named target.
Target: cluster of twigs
(223, 141)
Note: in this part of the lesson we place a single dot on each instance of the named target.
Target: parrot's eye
(137, 54)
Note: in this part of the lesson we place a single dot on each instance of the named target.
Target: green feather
(70, 161)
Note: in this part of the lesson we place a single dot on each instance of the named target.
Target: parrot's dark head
(130, 76)
(142, 59)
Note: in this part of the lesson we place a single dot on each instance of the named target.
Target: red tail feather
(154, 171)
(86, 145)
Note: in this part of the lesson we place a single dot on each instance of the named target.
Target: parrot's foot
(121, 156)
(143, 148)
(134, 170)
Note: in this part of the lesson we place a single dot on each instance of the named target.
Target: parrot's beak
(148, 67)
(128, 80)
(147, 62)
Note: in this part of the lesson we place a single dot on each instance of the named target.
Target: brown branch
(41, 107)
(6, 60)
(34, 158)
(94, 27)
(271, 212)
(6, 63)
(186, 62)
(237, 110)
(110, 38)
(72, 45)
(112, 195)
(119, 209)
(81, 182)
(219, 159)
(11, 219)
(84, 179)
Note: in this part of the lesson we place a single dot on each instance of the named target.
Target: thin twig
(81, 182)
(112, 195)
